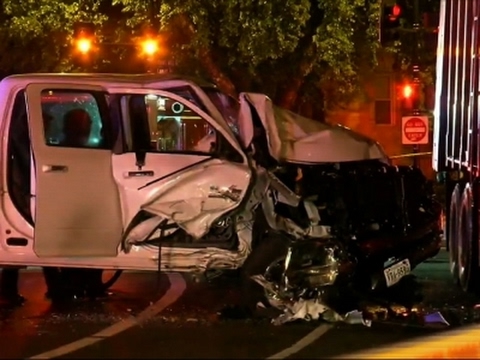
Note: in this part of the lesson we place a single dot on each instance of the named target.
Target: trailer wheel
(453, 229)
(468, 243)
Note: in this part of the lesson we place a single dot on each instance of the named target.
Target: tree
(421, 50)
(35, 34)
(281, 47)
(296, 51)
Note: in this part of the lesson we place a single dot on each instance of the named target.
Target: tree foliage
(425, 42)
(281, 47)
(35, 34)
(290, 49)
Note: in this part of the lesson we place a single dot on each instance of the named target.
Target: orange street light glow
(150, 46)
(84, 45)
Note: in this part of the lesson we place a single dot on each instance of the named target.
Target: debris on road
(306, 309)
(435, 318)
(311, 309)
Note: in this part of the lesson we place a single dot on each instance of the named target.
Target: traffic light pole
(416, 67)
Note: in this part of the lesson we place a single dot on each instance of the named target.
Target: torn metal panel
(284, 194)
(294, 138)
(142, 231)
(192, 260)
(281, 223)
(245, 123)
(195, 199)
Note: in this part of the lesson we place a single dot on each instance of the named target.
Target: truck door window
(74, 119)
(19, 158)
(177, 129)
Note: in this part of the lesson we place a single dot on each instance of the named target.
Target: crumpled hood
(294, 138)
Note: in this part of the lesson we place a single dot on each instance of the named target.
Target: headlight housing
(314, 263)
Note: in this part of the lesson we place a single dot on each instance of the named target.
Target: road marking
(302, 343)
(176, 289)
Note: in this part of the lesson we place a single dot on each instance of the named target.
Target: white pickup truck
(168, 173)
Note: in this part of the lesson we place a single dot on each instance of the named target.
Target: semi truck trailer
(456, 151)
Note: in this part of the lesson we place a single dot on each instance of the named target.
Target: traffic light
(407, 91)
(390, 15)
(84, 37)
(407, 96)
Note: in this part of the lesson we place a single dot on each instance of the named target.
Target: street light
(149, 46)
(84, 45)
(84, 35)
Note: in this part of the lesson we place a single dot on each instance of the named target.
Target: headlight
(315, 263)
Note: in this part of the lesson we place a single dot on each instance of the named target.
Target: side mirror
(140, 156)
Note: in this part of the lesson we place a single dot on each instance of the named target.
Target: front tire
(269, 250)
(468, 271)
(453, 231)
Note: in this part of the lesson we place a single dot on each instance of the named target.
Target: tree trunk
(206, 58)
(218, 76)
(288, 97)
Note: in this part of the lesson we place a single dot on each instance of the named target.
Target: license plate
(395, 272)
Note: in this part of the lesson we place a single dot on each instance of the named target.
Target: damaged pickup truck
(165, 173)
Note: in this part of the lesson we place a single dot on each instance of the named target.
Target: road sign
(414, 130)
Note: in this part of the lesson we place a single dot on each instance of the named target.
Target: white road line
(177, 287)
(302, 343)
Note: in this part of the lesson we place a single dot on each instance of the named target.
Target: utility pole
(416, 68)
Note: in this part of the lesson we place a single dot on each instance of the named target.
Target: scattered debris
(306, 309)
(314, 309)
(436, 318)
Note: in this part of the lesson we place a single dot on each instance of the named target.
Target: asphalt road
(178, 318)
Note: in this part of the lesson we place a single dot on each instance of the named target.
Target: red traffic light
(396, 11)
(407, 91)
(393, 13)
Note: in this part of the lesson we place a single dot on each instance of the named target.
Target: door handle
(54, 168)
(140, 173)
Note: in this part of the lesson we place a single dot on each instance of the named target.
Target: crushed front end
(377, 223)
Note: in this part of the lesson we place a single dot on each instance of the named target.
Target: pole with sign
(415, 132)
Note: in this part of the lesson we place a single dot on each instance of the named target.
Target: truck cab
(83, 155)
(155, 173)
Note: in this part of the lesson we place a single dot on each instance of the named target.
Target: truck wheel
(109, 283)
(269, 251)
(467, 243)
(453, 229)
